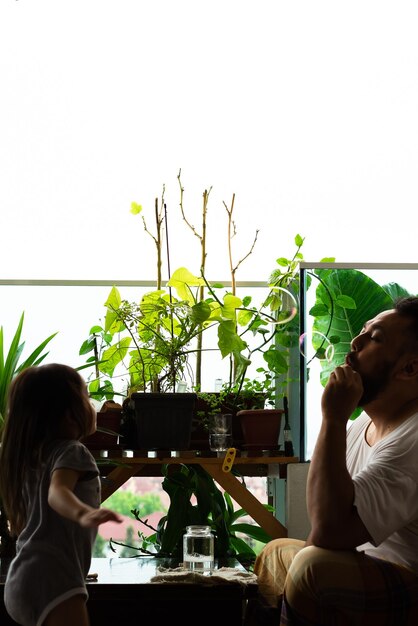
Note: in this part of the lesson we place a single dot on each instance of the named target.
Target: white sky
(307, 111)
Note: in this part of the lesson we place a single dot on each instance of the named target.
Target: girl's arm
(62, 499)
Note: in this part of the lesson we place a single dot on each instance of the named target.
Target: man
(360, 562)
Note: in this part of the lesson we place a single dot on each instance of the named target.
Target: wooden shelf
(121, 468)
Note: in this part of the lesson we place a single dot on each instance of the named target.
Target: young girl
(50, 488)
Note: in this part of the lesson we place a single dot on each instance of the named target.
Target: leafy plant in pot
(160, 326)
(152, 341)
(157, 337)
(100, 387)
(260, 425)
(273, 329)
(196, 499)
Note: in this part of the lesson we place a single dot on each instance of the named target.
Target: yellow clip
(229, 459)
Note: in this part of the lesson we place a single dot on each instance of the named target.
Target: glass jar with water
(198, 549)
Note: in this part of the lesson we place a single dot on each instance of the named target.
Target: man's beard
(373, 384)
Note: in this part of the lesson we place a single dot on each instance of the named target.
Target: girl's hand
(95, 517)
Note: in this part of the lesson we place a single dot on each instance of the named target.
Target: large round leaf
(350, 298)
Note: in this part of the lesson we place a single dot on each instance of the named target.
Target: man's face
(377, 351)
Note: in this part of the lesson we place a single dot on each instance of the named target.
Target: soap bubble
(285, 307)
(316, 346)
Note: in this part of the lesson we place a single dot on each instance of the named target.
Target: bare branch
(248, 253)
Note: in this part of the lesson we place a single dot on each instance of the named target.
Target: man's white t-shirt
(385, 478)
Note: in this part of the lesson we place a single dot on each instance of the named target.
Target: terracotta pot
(260, 428)
(200, 431)
(109, 419)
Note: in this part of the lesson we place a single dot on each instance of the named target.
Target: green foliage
(10, 364)
(131, 546)
(196, 499)
(274, 329)
(123, 501)
(154, 339)
(345, 300)
(99, 547)
(98, 342)
(251, 393)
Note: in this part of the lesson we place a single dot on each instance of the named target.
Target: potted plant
(260, 423)
(153, 341)
(11, 365)
(273, 329)
(100, 387)
(155, 338)
(196, 499)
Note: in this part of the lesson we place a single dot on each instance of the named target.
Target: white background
(306, 110)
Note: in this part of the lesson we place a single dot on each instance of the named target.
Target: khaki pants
(334, 587)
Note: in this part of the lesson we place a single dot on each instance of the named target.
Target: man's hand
(341, 394)
(335, 523)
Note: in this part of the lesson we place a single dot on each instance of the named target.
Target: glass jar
(198, 549)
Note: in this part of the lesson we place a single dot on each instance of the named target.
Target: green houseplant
(155, 337)
(267, 331)
(130, 329)
(212, 507)
(153, 341)
(344, 300)
(11, 363)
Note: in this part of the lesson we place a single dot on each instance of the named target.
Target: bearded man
(359, 564)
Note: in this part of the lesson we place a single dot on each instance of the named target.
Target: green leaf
(95, 330)
(201, 312)
(282, 261)
(87, 346)
(114, 355)
(9, 364)
(253, 531)
(319, 309)
(395, 291)
(230, 304)
(277, 360)
(346, 322)
(345, 302)
(228, 340)
(135, 208)
(114, 299)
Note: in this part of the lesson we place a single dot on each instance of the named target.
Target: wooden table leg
(247, 501)
(116, 478)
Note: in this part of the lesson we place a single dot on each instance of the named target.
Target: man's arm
(335, 522)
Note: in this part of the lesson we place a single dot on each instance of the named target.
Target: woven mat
(222, 575)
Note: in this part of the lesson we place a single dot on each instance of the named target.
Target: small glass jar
(198, 549)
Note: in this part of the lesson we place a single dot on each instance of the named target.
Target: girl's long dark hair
(42, 402)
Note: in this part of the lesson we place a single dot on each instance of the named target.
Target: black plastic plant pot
(163, 420)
